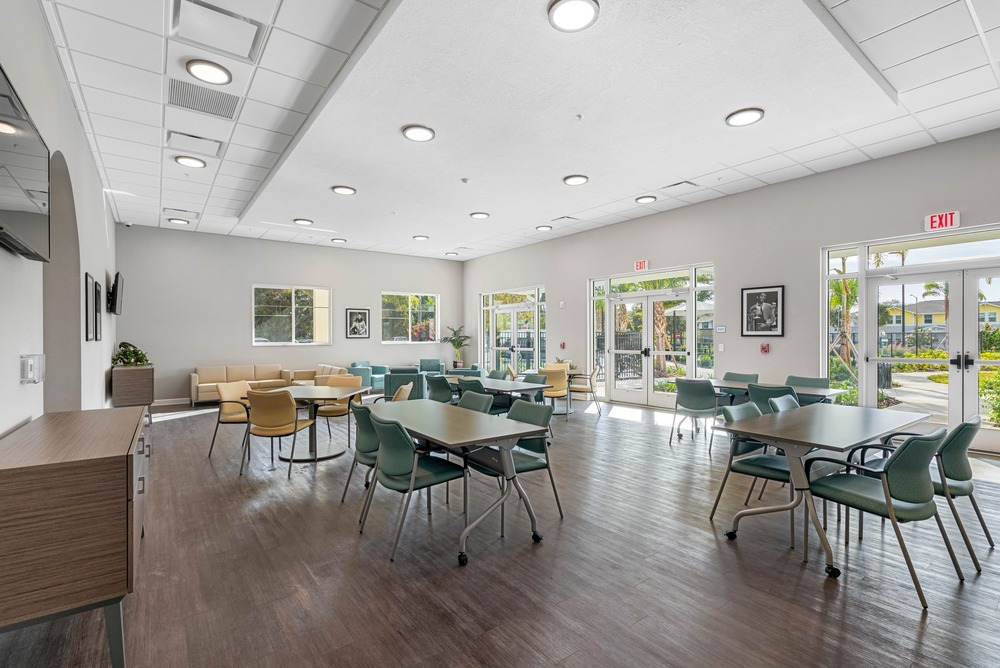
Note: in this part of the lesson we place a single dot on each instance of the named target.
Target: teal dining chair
(901, 491)
(809, 381)
(538, 396)
(476, 401)
(782, 403)
(365, 444)
(497, 374)
(695, 401)
(400, 468)
(500, 403)
(759, 395)
(731, 395)
(439, 389)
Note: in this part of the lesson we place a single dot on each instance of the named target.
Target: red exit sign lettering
(941, 221)
(641, 265)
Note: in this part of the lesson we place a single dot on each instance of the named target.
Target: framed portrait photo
(358, 323)
(764, 311)
(98, 298)
(88, 306)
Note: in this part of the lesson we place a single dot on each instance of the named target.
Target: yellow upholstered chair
(233, 408)
(274, 414)
(337, 407)
(556, 377)
(587, 385)
(511, 373)
(402, 393)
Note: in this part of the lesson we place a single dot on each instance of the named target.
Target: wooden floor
(262, 571)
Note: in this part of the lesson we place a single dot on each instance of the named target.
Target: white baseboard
(172, 402)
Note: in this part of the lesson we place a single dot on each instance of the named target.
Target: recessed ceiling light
(339, 241)
(418, 133)
(573, 15)
(645, 199)
(189, 161)
(575, 180)
(452, 254)
(343, 190)
(209, 72)
(543, 228)
(302, 221)
(742, 117)
(479, 215)
(421, 237)
(178, 221)
(7, 128)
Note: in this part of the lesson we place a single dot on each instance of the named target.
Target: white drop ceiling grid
(651, 81)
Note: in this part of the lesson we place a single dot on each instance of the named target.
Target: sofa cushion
(211, 374)
(330, 370)
(267, 371)
(403, 369)
(206, 390)
(254, 384)
(269, 383)
(240, 372)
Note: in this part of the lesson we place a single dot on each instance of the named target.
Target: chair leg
(213, 439)
(861, 526)
(982, 522)
(428, 490)
(906, 555)
(370, 492)
(725, 478)
(596, 402)
(405, 506)
(465, 495)
(791, 519)
(246, 449)
(555, 492)
(291, 456)
(762, 488)
(503, 508)
(961, 530)
(753, 483)
(847, 527)
(951, 551)
(350, 473)
(329, 433)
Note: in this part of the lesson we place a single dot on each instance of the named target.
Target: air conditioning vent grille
(205, 100)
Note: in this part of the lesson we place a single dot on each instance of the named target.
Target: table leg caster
(463, 559)
(832, 571)
(731, 534)
(535, 536)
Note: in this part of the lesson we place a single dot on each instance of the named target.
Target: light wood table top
(824, 392)
(450, 426)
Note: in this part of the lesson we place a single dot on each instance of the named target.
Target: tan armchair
(337, 407)
(233, 408)
(556, 377)
(587, 385)
(274, 414)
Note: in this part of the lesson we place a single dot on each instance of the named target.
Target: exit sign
(641, 265)
(941, 221)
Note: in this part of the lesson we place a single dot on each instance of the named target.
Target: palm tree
(843, 298)
(939, 291)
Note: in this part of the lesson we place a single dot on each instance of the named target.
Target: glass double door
(937, 348)
(515, 338)
(649, 348)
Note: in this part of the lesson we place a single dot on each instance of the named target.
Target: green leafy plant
(458, 340)
(560, 360)
(128, 355)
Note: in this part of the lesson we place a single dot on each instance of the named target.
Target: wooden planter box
(132, 385)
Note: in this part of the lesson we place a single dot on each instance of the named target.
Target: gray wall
(29, 59)
(188, 300)
(768, 236)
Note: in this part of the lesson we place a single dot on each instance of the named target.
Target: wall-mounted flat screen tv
(24, 179)
(116, 294)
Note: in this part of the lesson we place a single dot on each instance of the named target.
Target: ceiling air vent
(685, 184)
(205, 100)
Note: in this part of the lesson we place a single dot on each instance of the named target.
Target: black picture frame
(88, 307)
(763, 311)
(97, 311)
(358, 323)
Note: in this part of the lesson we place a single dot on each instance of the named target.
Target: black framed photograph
(358, 323)
(764, 311)
(97, 311)
(88, 306)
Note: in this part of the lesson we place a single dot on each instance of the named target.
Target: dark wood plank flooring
(262, 571)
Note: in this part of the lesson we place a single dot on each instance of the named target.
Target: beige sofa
(259, 376)
(311, 376)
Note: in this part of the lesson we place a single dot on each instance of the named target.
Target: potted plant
(131, 377)
(572, 366)
(458, 340)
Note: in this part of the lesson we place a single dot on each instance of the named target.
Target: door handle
(968, 361)
(645, 352)
(956, 361)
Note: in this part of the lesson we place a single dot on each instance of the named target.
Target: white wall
(188, 300)
(768, 236)
(29, 59)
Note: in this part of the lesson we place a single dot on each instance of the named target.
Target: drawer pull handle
(142, 485)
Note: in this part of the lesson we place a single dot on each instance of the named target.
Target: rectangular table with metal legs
(798, 431)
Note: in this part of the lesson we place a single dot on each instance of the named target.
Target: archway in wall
(62, 295)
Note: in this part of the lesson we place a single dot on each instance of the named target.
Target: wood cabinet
(132, 385)
(72, 498)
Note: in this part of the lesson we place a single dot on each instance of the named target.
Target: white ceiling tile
(210, 219)
(309, 239)
(179, 53)
(785, 174)
(248, 231)
(718, 178)
(137, 203)
(122, 106)
(993, 40)
(960, 109)
(197, 125)
(865, 18)
(258, 10)
(667, 204)
(890, 129)
(899, 145)
(131, 165)
(138, 218)
(243, 171)
(742, 185)
(837, 161)
(143, 209)
(173, 170)
(128, 149)
(114, 41)
(226, 202)
(187, 186)
(178, 197)
(932, 31)
(768, 164)
(681, 188)
(224, 230)
(251, 156)
(124, 177)
(701, 196)
(145, 14)
(281, 91)
(219, 31)
(122, 129)
(269, 117)
(247, 135)
(78, 97)
(336, 23)
(227, 181)
(300, 58)
(819, 149)
(232, 194)
(969, 126)
(936, 65)
(957, 87)
(124, 192)
(988, 12)
(118, 78)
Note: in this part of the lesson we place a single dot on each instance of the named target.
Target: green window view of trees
(291, 315)
(409, 318)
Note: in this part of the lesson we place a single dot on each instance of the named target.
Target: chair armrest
(887, 439)
(378, 370)
(243, 405)
(866, 447)
(304, 374)
(809, 463)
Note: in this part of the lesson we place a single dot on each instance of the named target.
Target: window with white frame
(928, 318)
(409, 318)
(291, 315)
(991, 316)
